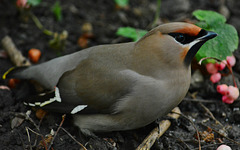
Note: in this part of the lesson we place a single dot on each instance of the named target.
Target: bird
(115, 87)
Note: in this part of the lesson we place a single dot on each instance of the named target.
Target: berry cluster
(229, 93)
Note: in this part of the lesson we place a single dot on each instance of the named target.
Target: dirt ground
(105, 20)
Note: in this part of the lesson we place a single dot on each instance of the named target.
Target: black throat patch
(194, 49)
(186, 39)
(192, 52)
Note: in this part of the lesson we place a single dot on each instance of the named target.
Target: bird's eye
(180, 38)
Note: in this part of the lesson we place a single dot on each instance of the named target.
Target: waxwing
(120, 86)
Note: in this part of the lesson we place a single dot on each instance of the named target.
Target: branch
(157, 132)
(63, 118)
(15, 55)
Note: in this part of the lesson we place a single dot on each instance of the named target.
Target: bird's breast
(176, 87)
(169, 92)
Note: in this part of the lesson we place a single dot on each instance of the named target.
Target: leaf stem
(40, 26)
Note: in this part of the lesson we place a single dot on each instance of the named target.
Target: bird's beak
(208, 36)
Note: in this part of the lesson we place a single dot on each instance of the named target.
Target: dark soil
(106, 19)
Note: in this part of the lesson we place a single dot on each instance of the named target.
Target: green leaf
(210, 17)
(34, 2)
(224, 44)
(57, 10)
(221, 46)
(122, 3)
(132, 33)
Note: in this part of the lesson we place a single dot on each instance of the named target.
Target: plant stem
(157, 14)
(40, 26)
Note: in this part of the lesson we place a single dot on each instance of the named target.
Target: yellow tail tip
(7, 72)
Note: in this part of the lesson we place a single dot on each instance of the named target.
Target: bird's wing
(97, 81)
(86, 78)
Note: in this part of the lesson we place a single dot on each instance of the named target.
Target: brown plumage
(122, 86)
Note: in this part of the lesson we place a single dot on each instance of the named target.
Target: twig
(221, 134)
(15, 55)
(210, 113)
(179, 139)
(199, 100)
(157, 132)
(209, 145)
(184, 143)
(25, 116)
(35, 143)
(73, 138)
(199, 142)
(44, 143)
(63, 118)
(153, 135)
(29, 139)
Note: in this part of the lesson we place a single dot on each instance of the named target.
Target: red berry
(231, 60)
(215, 77)
(233, 92)
(34, 55)
(222, 89)
(221, 66)
(211, 68)
(227, 99)
(12, 83)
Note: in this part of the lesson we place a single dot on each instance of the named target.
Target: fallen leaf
(40, 113)
(16, 121)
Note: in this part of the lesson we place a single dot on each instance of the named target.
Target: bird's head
(175, 43)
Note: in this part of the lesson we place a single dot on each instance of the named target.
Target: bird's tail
(14, 72)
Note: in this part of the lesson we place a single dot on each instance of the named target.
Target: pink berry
(224, 147)
(211, 68)
(233, 92)
(221, 66)
(222, 89)
(231, 60)
(22, 4)
(227, 99)
(215, 77)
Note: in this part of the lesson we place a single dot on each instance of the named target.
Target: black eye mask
(185, 38)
